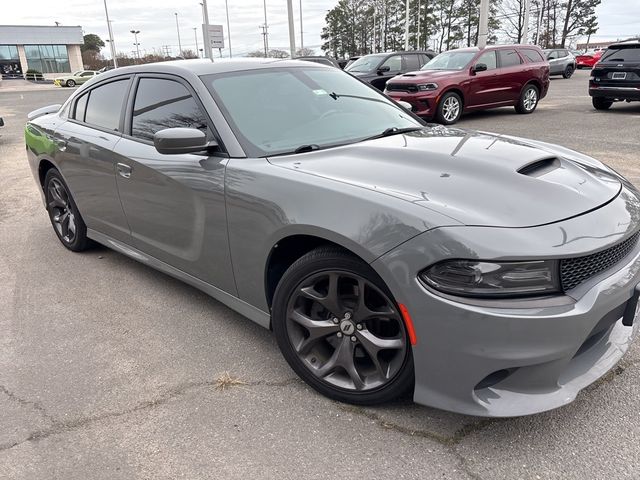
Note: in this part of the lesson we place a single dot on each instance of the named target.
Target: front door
(174, 204)
(483, 87)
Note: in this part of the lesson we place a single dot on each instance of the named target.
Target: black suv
(377, 68)
(616, 77)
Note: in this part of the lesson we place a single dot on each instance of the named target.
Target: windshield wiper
(394, 131)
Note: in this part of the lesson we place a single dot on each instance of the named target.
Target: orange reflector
(408, 323)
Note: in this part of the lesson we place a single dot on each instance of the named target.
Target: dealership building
(49, 50)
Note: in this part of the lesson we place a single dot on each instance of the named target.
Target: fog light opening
(494, 378)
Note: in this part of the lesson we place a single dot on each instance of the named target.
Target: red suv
(470, 79)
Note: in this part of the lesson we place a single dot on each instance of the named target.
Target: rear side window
(411, 62)
(531, 55)
(628, 54)
(161, 104)
(508, 58)
(81, 107)
(489, 59)
(105, 105)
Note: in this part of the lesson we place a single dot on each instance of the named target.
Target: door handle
(124, 170)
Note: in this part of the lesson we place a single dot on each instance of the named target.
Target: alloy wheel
(450, 109)
(62, 216)
(530, 99)
(346, 331)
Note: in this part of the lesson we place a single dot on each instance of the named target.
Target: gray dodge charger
(486, 274)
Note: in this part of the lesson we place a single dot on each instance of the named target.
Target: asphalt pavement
(111, 370)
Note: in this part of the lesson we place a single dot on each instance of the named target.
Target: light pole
(111, 42)
(265, 31)
(135, 35)
(178, 30)
(292, 33)
(483, 25)
(226, 6)
(301, 32)
(406, 28)
(205, 32)
(525, 23)
(195, 34)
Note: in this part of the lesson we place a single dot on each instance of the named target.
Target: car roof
(626, 43)
(491, 47)
(205, 67)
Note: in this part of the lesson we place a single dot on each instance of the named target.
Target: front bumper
(423, 104)
(518, 357)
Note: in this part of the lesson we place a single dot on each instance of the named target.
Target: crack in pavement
(26, 403)
(58, 426)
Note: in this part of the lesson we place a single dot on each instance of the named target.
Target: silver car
(561, 62)
(487, 274)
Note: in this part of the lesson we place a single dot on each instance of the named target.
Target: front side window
(104, 106)
(276, 111)
(161, 104)
(508, 58)
(551, 54)
(489, 59)
(394, 63)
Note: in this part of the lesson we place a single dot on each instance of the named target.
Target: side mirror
(405, 105)
(181, 140)
(383, 69)
(480, 67)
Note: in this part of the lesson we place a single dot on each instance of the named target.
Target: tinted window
(81, 106)
(628, 54)
(508, 58)
(531, 55)
(394, 63)
(164, 104)
(365, 64)
(105, 104)
(411, 62)
(488, 58)
(87, 74)
(552, 55)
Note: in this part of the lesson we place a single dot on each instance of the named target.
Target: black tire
(289, 299)
(62, 210)
(446, 113)
(600, 103)
(71, 83)
(529, 94)
(568, 71)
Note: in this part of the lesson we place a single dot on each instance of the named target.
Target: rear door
(86, 142)
(512, 75)
(174, 204)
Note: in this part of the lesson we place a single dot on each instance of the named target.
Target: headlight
(473, 278)
(427, 87)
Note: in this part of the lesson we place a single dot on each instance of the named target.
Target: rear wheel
(528, 100)
(63, 213)
(601, 103)
(340, 330)
(568, 71)
(449, 109)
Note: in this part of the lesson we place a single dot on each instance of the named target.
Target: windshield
(450, 61)
(365, 64)
(278, 110)
(622, 54)
(76, 74)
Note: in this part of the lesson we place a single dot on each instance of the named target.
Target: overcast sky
(156, 20)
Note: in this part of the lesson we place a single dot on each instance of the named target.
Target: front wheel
(71, 83)
(601, 103)
(528, 100)
(63, 213)
(449, 109)
(340, 330)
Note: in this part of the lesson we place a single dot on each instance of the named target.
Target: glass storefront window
(9, 61)
(8, 52)
(47, 58)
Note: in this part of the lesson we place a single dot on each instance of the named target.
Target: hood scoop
(540, 167)
(409, 75)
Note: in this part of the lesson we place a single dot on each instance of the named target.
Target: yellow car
(76, 78)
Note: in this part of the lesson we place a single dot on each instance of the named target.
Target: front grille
(402, 87)
(574, 271)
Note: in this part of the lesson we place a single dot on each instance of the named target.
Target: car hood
(472, 177)
(422, 75)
